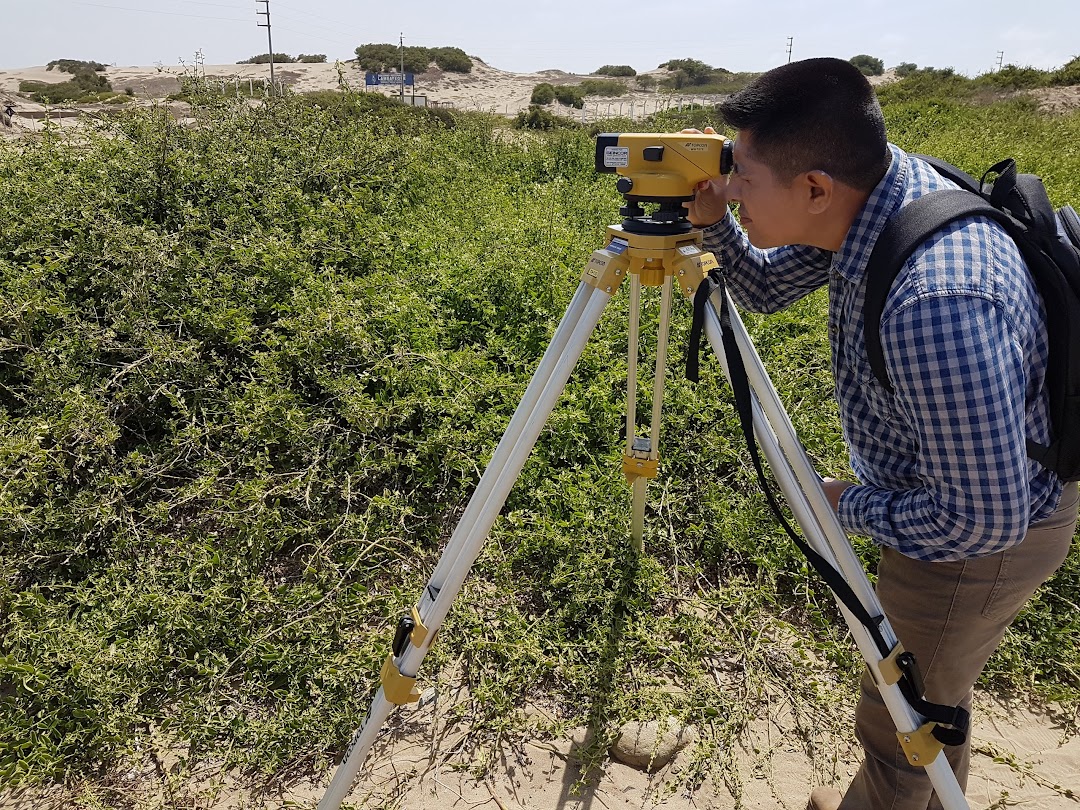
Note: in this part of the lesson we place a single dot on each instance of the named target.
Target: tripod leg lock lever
(890, 667)
(410, 628)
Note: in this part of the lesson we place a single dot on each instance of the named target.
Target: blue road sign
(388, 78)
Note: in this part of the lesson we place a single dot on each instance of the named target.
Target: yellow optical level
(662, 167)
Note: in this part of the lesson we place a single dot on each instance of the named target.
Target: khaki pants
(951, 615)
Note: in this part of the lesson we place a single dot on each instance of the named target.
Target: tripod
(652, 254)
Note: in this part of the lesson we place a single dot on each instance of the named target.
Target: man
(969, 526)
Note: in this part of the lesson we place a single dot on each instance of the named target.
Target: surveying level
(663, 169)
(658, 249)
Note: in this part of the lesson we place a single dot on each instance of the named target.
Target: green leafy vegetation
(695, 76)
(536, 117)
(88, 85)
(917, 83)
(573, 95)
(543, 93)
(252, 371)
(284, 59)
(264, 59)
(616, 70)
(75, 66)
(412, 59)
(646, 81)
(603, 87)
(869, 65)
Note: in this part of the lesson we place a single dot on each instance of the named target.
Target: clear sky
(577, 36)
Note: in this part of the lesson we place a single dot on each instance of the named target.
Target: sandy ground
(1024, 757)
(485, 88)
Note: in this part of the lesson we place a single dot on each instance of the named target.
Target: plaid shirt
(942, 461)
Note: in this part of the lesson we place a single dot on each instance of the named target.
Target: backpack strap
(950, 172)
(1070, 223)
(910, 227)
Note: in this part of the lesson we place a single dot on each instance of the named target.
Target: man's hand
(833, 488)
(710, 202)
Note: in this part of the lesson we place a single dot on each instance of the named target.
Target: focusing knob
(624, 184)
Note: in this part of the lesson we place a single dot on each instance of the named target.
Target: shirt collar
(850, 261)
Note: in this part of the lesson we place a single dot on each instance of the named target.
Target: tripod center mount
(669, 219)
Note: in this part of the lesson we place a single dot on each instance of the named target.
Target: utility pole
(269, 40)
(1001, 57)
(789, 41)
(401, 51)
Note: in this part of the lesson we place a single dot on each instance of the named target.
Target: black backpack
(1019, 203)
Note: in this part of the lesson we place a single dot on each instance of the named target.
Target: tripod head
(660, 168)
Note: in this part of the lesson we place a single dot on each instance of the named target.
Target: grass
(251, 373)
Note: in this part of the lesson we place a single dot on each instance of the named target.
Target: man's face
(771, 211)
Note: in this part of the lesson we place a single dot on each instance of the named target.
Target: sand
(485, 88)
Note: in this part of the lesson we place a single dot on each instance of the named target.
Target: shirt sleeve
(765, 280)
(960, 384)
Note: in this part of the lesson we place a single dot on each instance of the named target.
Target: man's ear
(819, 191)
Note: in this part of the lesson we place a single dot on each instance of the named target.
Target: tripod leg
(640, 449)
(801, 487)
(467, 540)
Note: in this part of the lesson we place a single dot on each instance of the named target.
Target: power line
(280, 27)
(318, 16)
(202, 3)
(308, 24)
(151, 11)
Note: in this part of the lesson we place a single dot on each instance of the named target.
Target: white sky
(573, 36)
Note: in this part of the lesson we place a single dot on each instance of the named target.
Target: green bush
(87, 85)
(1012, 77)
(536, 117)
(378, 57)
(1067, 74)
(345, 107)
(616, 70)
(312, 58)
(927, 83)
(384, 56)
(571, 95)
(264, 59)
(75, 66)
(417, 59)
(905, 69)
(694, 71)
(869, 65)
(602, 87)
(453, 60)
(543, 93)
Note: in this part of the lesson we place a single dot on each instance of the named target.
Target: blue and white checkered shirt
(942, 461)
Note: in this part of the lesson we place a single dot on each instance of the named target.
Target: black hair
(814, 114)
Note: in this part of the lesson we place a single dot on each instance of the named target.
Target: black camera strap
(911, 681)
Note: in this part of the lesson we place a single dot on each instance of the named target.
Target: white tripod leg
(468, 538)
(801, 486)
